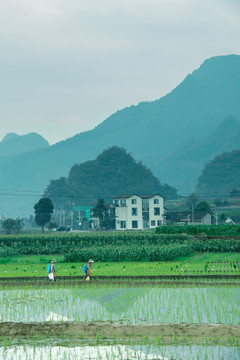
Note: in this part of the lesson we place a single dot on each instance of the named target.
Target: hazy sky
(68, 64)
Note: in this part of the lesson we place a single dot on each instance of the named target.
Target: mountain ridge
(191, 157)
(14, 144)
(150, 131)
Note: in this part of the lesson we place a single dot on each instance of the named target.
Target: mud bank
(121, 331)
(81, 283)
(130, 277)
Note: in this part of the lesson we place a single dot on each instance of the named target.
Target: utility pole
(63, 217)
(192, 213)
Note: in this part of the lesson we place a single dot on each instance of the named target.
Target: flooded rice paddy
(177, 318)
(144, 305)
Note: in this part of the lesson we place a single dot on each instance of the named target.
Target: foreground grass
(201, 264)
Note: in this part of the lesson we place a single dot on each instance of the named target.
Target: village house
(138, 212)
(189, 217)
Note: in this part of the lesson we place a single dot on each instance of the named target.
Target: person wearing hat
(52, 270)
(88, 270)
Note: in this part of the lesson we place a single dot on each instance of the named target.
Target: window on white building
(134, 201)
(134, 211)
(117, 202)
(123, 224)
(123, 202)
(134, 224)
(145, 204)
(156, 201)
(153, 222)
(156, 211)
(159, 222)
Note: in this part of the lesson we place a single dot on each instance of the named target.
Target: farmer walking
(88, 273)
(52, 273)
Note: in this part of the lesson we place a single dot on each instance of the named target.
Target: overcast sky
(68, 64)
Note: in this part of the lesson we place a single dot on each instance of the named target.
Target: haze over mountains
(190, 158)
(220, 176)
(13, 144)
(174, 136)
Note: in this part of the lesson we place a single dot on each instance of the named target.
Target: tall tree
(203, 206)
(11, 226)
(43, 210)
(191, 200)
(99, 209)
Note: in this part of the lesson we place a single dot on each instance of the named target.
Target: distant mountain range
(220, 176)
(13, 144)
(153, 132)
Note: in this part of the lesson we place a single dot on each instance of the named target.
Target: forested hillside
(113, 172)
(190, 158)
(220, 176)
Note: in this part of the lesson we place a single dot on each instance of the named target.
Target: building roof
(185, 216)
(143, 196)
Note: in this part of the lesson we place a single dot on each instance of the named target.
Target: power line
(37, 193)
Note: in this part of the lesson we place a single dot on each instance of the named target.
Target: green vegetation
(224, 213)
(211, 264)
(99, 178)
(209, 257)
(216, 230)
(212, 181)
(195, 154)
(115, 246)
(111, 302)
(197, 257)
(11, 226)
(43, 210)
(117, 253)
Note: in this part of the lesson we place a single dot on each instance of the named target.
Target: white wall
(124, 213)
(151, 210)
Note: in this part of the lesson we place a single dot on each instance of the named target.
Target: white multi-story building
(138, 211)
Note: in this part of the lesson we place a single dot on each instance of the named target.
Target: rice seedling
(122, 304)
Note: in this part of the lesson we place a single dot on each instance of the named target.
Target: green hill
(113, 172)
(220, 176)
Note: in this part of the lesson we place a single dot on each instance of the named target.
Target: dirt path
(166, 332)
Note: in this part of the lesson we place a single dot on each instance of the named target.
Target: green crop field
(222, 229)
(37, 266)
(125, 319)
(114, 247)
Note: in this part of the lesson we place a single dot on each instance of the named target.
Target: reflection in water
(123, 305)
(120, 352)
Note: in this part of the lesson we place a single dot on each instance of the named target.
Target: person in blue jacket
(88, 272)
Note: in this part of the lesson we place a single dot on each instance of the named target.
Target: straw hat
(53, 261)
